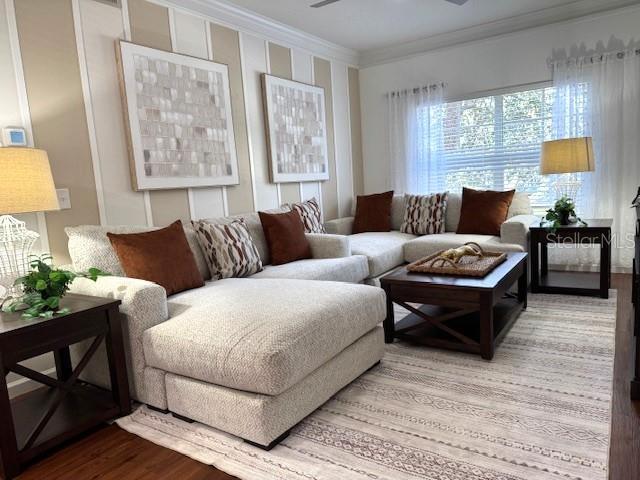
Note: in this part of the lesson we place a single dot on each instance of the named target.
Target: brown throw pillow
(285, 237)
(373, 213)
(484, 211)
(161, 256)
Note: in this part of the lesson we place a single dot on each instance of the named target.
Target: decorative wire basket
(468, 266)
(15, 247)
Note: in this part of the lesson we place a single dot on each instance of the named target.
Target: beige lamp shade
(26, 183)
(569, 155)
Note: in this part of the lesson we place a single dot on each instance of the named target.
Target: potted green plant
(562, 213)
(43, 288)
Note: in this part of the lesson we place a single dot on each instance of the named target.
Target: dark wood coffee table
(459, 313)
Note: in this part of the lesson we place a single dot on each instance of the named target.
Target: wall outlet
(64, 198)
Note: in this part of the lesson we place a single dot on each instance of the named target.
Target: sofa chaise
(249, 356)
(385, 251)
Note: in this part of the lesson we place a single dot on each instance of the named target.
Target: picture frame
(296, 130)
(178, 119)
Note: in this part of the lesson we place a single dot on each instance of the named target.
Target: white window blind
(493, 142)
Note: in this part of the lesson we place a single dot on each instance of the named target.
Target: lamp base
(15, 249)
(568, 187)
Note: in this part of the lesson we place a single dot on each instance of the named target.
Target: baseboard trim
(24, 385)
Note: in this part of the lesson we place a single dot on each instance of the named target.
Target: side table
(543, 280)
(39, 420)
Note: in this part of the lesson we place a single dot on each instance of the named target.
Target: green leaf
(12, 308)
(53, 302)
(57, 276)
(94, 273)
(41, 285)
(33, 311)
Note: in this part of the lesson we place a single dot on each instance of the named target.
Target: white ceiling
(366, 25)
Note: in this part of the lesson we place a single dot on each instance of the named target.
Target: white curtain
(413, 156)
(612, 110)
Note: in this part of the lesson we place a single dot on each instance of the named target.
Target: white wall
(510, 60)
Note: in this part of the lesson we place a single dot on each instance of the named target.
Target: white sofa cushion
(429, 244)
(340, 226)
(516, 229)
(352, 269)
(90, 247)
(261, 336)
(326, 245)
(397, 212)
(384, 250)
(520, 205)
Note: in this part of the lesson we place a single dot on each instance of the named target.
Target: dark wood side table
(543, 280)
(39, 420)
(458, 313)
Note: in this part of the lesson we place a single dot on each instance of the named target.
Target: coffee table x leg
(438, 322)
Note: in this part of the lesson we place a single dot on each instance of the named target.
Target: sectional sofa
(254, 356)
(249, 356)
(387, 250)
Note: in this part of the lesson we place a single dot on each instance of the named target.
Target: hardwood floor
(112, 453)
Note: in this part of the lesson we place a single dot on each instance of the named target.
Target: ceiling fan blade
(458, 2)
(325, 2)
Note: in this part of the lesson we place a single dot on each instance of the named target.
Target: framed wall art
(178, 112)
(296, 130)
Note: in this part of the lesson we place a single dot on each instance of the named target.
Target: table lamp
(26, 185)
(569, 155)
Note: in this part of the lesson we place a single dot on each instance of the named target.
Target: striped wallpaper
(66, 50)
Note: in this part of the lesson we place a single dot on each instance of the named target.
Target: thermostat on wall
(14, 137)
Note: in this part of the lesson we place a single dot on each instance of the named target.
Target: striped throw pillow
(228, 249)
(424, 214)
(309, 212)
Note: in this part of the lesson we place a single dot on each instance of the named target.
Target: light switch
(64, 198)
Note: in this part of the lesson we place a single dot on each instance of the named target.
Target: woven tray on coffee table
(468, 266)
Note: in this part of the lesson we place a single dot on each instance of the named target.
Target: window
(494, 142)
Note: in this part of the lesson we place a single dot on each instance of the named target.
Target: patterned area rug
(539, 410)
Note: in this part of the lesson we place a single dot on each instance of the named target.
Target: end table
(39, 420)
(597, 231)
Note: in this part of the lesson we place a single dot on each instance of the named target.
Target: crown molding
(562, 13)
(250, 22)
